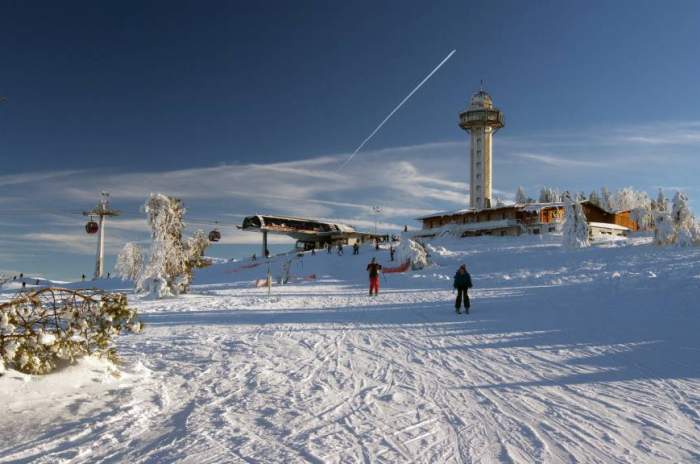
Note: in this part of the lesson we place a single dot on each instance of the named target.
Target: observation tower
(481, 120)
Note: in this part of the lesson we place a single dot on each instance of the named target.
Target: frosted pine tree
(575, 229)
(129, 262)
(683, 221)
(664, 229)
(167, 261)
(520, 196)
(661, 201)
(605, 199)
(172, 260)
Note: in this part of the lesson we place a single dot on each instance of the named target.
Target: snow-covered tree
(644, 217)
(520, 196)
(661, 201)
(593, 198)
(628, 199)
(604, 201)
(664, 229)
(683, 221)
(129, 262)
(575, 228)
(195, 247)
(675, 225)
(171, 260)
(549, 195)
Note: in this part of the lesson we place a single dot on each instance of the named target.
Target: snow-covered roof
(607, 225)
(537, 207)
(488, 225)
(528, 207)
(447, 213)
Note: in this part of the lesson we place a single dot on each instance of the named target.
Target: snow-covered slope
(567, 356)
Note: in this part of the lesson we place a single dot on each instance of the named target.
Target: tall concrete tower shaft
(481, 120)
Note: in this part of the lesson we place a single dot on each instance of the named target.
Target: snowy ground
(586, 356)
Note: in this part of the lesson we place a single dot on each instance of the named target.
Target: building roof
(528, 207)
(480, 100)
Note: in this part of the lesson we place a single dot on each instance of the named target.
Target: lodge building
(481, 120)
(529, 218)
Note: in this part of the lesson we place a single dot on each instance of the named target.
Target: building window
(478, 176)
(551, 229)
(536, 231)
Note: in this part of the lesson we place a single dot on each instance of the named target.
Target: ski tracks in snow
(325, 374)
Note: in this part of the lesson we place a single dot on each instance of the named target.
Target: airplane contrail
(396, 109)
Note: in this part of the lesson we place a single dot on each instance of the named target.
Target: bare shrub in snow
(40, 329)
(575, 229)
(129, 262)
(171, 260)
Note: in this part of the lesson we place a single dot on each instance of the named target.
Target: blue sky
(239, 108)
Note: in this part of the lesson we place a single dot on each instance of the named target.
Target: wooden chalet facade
(531, 218)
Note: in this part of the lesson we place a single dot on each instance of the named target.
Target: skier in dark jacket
(463, 282)
(373, 269)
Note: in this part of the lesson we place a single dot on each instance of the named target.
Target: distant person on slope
(373, 268)
(355, 249)
(463, 282)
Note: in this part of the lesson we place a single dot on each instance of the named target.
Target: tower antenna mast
(102, 210)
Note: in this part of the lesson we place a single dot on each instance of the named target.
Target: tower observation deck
(481, 120)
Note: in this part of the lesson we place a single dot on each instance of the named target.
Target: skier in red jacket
(373, 268)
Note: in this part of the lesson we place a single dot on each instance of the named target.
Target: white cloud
(557, 161)
(407, 182)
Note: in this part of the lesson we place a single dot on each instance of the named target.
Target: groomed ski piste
(589, 356)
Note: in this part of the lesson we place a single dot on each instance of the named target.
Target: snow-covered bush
(664, 229)
(575, 228)
(129, 262)
(628, 199)
(520, 196)
(684, 222)
(171, 260)
(675, 225)
(661, 203)
(549, 195)
(38, 330)
(412, 250)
